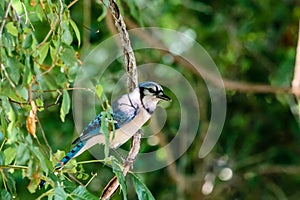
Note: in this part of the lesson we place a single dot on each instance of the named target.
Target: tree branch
(130, 62)
(228, 84)
(132, 82)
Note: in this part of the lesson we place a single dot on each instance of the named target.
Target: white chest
(124, 133)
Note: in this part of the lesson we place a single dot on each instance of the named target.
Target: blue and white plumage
(130, 112)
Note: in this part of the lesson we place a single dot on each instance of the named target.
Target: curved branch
(132, 82)
(228, 84)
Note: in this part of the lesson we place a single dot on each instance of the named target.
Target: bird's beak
(164, 97)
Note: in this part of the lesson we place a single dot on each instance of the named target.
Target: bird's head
(152, 90)
(150, 94)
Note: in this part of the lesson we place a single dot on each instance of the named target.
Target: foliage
(250, 41)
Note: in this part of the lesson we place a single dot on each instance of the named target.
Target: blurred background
(253, 44)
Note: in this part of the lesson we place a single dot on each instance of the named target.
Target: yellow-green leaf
(65, 106)
(76, 30)
(12, 29)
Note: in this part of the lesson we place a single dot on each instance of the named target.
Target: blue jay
(130, 112)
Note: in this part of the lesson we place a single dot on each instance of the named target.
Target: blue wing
(121, 115)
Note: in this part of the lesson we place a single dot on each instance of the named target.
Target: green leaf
(68, 56)
(23, 154)
(42, 159)
(65, 106)
(27, 77)
(27, 42)
(141, 189)
(3, 127)
(99, 91)
(5, 195)
(61, 79)
(60, 194)
(40, 104)
(120, 176)
(22, 92)
(81, 193)
(11, 183)
(43, 52)
(13, 69)
(2, 159)
(10, 113)
(12, 29)
(76, 30)
(66, 36)
(10, 154)
(17, 5)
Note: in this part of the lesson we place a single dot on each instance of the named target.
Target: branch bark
(130, 62)
(132, 82)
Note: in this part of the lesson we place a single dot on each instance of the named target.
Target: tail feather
(69, 155)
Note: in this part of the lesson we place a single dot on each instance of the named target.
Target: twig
(7, 76)
(130, 62)
(92, 178)
(13, 167)
(72, 3)
(52, 29)
(53, 62)
(4, 19)
(75, 179)
(44, 136)
(113, 184)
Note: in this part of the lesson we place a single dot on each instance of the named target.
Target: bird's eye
(151, 90)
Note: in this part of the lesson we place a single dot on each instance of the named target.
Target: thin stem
(7, 76)
(44, 136)
(53, 62)
(93, 176)
(91, 161)
(13, 167)
(4, 20)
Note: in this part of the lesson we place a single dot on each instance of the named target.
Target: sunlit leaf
(65, 106)
(76, 30)
(10, 155)
(27, 77)
(12, 29)
(40, 104)
(99, 91)
(43, 51)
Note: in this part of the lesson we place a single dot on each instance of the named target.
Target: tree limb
(132, 82)
(228, 84)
